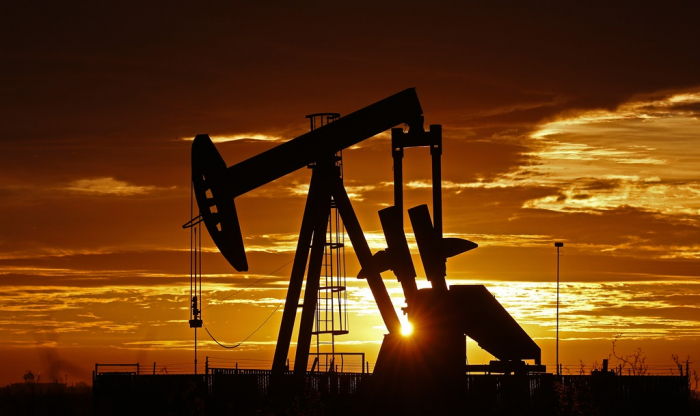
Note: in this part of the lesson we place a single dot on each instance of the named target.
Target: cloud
(585, 152)
(299, 189)
(648, 193)
(480, 183)
(108, 186)
(642, 308)
(641, 154)
(246, 136)
(358, 192)
(272, 243)
(355, 192)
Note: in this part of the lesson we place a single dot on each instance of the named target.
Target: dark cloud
(86, 71)
(597, 184)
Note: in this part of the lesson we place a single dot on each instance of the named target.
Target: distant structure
(29, 377)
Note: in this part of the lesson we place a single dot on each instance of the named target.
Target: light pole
(558, 245)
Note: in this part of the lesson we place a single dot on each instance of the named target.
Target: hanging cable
(191, 241)
(246, 338)
(195, 225)
(200, 267)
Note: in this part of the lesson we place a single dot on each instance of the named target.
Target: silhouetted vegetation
(635, 363)
(575, 398)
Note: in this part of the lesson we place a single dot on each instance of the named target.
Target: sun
(406, 328)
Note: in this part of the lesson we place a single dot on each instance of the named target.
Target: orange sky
(561, 123)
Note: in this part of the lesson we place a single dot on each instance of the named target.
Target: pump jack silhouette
(432, 359)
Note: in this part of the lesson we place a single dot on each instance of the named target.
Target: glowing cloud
(107, 186)
(245, 136)
(642, 155)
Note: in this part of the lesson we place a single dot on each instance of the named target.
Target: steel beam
(323, 142)
(364, 255)
(311, 289)
(318, 194)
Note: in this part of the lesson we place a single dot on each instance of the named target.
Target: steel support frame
(326, 183)
(318, 196)
(432, 139)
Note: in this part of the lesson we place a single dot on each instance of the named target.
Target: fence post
(154, 368)
(206, 365)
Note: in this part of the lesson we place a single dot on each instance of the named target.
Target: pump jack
(442, 317)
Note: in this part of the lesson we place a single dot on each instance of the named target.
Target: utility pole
(558, 245)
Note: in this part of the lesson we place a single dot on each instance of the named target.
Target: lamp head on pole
(558, 244)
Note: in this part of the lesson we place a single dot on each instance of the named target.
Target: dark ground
(39, 399)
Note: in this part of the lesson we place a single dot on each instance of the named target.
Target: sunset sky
(562, 121)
